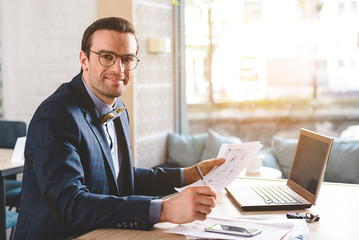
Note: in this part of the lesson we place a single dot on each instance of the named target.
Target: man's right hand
(192, 203)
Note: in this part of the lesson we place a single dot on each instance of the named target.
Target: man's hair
(111, 23)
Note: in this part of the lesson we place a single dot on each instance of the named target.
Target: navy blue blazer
(69, 186)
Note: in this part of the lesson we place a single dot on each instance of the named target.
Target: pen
(200, 175)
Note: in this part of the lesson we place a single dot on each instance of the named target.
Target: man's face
(108, 83)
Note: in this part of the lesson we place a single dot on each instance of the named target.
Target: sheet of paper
(18, 153)
(237, 158)
(299, 231)
(271, 228)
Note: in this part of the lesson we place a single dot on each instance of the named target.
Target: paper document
(299, 231)
(18, 153)
(237, 158)
(271, 228)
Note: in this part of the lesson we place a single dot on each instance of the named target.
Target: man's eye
(107, 56)
(128, 59)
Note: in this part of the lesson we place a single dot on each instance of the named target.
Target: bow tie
(112, 115)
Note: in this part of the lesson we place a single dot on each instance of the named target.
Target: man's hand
(191, 175)
(193, 203)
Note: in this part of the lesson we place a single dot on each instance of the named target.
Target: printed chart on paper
(237, 158)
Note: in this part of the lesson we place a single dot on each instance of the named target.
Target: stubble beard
(101, 89)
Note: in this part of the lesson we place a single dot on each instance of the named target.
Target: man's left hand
(191, 175)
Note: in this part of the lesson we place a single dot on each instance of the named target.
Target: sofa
(342, 166)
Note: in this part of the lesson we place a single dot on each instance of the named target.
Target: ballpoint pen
(200, 175)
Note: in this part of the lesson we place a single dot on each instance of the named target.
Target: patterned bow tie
(112, 115)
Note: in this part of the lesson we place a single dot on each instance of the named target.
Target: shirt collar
(101, 107)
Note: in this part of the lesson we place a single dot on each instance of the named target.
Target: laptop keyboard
(275, 195)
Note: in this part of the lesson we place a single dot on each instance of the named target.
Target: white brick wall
(40, 43)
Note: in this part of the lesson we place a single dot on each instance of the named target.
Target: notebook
(303, 182)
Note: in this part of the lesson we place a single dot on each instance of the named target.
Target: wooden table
(337, 206)
(6, 169)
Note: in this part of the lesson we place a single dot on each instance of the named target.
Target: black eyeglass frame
(309, 217)
(117, 56)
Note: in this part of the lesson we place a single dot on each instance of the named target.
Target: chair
(13, 191)
(9, 132)
(11, 220)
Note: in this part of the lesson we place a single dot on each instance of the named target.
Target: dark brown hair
(111, 23)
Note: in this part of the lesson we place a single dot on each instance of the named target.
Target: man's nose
(118, 65)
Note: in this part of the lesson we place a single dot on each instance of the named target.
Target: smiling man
(108, 80)
(78, 173)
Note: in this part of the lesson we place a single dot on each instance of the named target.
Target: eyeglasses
(107, 59)
(309, 217)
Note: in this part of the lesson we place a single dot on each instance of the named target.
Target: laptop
(303, 182)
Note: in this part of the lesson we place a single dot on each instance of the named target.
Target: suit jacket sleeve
(156, 181)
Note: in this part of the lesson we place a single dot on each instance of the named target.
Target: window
(253, 50)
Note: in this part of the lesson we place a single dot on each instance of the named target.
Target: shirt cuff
(155, 211)
(182, 176)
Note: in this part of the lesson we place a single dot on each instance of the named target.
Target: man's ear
(84, 61)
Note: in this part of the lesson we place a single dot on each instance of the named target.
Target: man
(78, 173)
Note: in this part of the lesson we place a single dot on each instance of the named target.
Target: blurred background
(246, 68)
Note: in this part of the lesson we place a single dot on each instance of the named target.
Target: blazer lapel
(125, 126)
(126, 170)
(101, 138)
(93, 120)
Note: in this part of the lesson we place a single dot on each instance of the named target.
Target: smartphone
(234, 230)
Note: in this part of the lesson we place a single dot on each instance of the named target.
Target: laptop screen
(310, 159)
